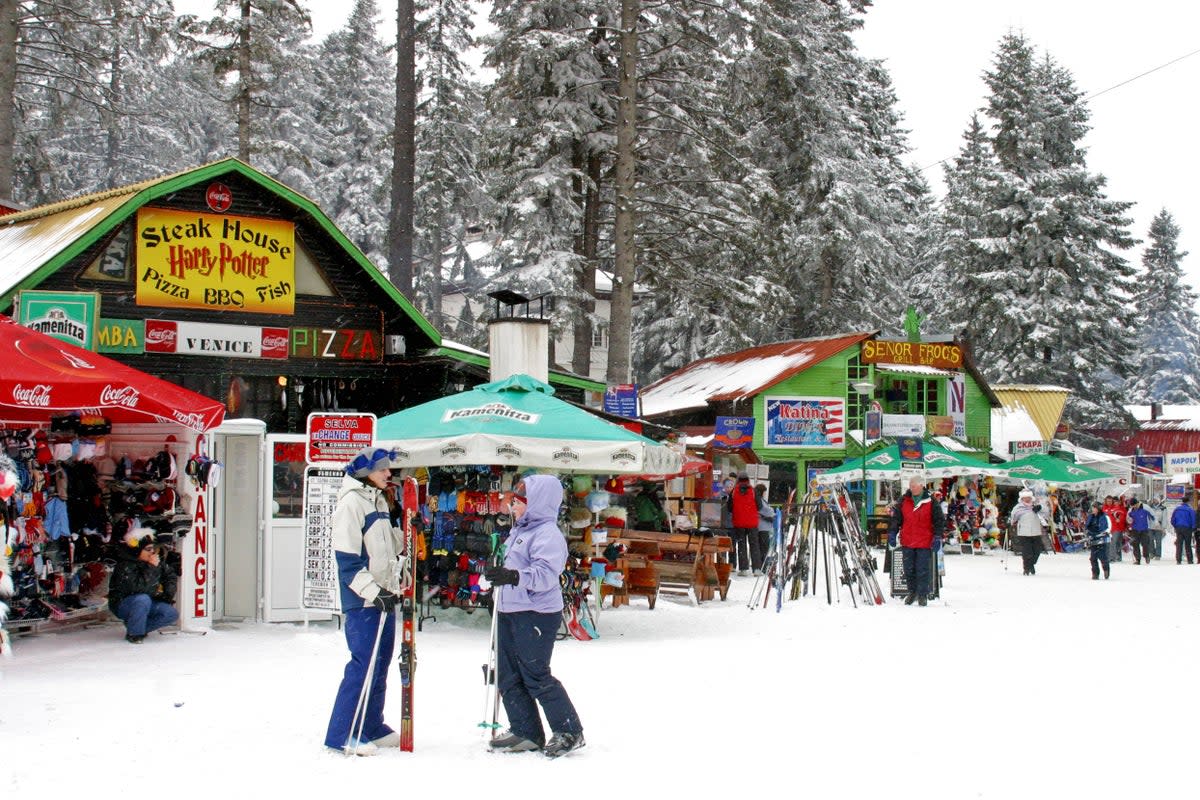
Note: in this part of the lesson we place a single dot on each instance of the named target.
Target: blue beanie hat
(368, 460)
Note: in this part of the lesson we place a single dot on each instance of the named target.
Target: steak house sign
(188, 259)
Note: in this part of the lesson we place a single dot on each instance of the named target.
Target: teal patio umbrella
(518, 421)
(885, 464)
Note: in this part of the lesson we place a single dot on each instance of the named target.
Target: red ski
(408, 644)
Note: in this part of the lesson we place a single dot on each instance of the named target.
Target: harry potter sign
(187, 259)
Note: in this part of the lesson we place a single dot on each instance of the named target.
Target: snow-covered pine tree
(1051, 293)
(450, 195)
(75, 98)
(552, 110)
(348, 144)
(259, 40)
(1166, 364)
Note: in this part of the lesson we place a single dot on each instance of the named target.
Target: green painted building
(810, 398)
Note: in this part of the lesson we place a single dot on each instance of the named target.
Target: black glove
(502, 576)
(385, 601)
(1036, 507)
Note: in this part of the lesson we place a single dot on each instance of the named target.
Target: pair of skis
(408, 597)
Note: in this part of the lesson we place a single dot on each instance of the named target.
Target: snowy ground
(1007, 687)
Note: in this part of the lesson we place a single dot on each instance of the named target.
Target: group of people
(750, 519)
(370, 554)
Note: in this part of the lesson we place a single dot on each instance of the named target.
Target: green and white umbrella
(886, 464)
(517, 421)
(1041, 468)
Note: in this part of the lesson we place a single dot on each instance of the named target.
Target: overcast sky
(1143, 137)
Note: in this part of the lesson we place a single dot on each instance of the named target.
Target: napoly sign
(187, 259)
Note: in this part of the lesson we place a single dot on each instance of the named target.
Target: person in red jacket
(743, 507)
(917, 521)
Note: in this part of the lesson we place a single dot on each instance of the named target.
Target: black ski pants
(1099, 558)
(1031, 548)
(743, 549)
(918, 568)
(1143, 547)
(1183, 544)
(524, 645)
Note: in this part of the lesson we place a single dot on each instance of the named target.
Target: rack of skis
(818, 542)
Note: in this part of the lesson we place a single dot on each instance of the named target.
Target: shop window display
(76, 495)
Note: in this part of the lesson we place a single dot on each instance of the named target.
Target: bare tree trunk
(243, 97)
(8, 91)
(400, 227)
(582, 362)
(620, 325)
(112, 121)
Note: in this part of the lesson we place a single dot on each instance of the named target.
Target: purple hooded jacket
(537, 549)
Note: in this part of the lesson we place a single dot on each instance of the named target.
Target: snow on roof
(1029, 387)
(453, 345)
(953, 445)
(736, 376)
(914, 369)
(1178, 418)
(1012, 424)
(30, 242)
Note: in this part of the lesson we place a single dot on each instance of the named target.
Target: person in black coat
(142, 589)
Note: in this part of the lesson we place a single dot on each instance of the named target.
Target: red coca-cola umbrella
(41, 377)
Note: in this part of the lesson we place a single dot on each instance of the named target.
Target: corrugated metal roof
(735, 376)
(1172, 418)
(34, 240)
(1043, 403)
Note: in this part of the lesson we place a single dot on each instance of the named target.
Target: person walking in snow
(1140, 519)
(743, 508)
(1183, 520)
(369, 553)
(1027, 521)
(1096, 527)
(529, 603)
(1156, 527)
(917, 524)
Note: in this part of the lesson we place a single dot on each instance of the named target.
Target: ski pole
(360, 711)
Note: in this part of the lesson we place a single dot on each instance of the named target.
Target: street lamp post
(865, 389)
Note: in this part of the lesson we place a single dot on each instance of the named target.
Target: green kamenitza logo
(497, 410)
(57, 323)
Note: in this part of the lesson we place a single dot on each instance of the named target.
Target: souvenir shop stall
(469, 450)
(94, 454)
(1062, 488)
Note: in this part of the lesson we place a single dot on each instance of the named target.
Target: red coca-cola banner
(42, 377)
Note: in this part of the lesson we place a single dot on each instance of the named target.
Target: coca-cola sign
(219, 197)
(274, 342)
(126, 396)
(36, 396)
(161, 336)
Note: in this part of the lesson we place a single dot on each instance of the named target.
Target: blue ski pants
(524, 645)
(361, 626)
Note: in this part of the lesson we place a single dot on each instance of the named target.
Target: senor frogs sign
(187, 259)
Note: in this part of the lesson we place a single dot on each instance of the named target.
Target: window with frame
(856, 404)
(925, 396)
(599, 335)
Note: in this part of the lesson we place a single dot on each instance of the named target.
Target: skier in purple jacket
(529, 602)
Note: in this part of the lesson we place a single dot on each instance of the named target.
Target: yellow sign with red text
(925, 354)
(187, 259)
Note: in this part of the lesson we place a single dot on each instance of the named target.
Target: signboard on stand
(912, 453)
(335, 438)
(321, 486)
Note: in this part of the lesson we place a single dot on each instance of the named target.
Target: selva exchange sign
(187, 259)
